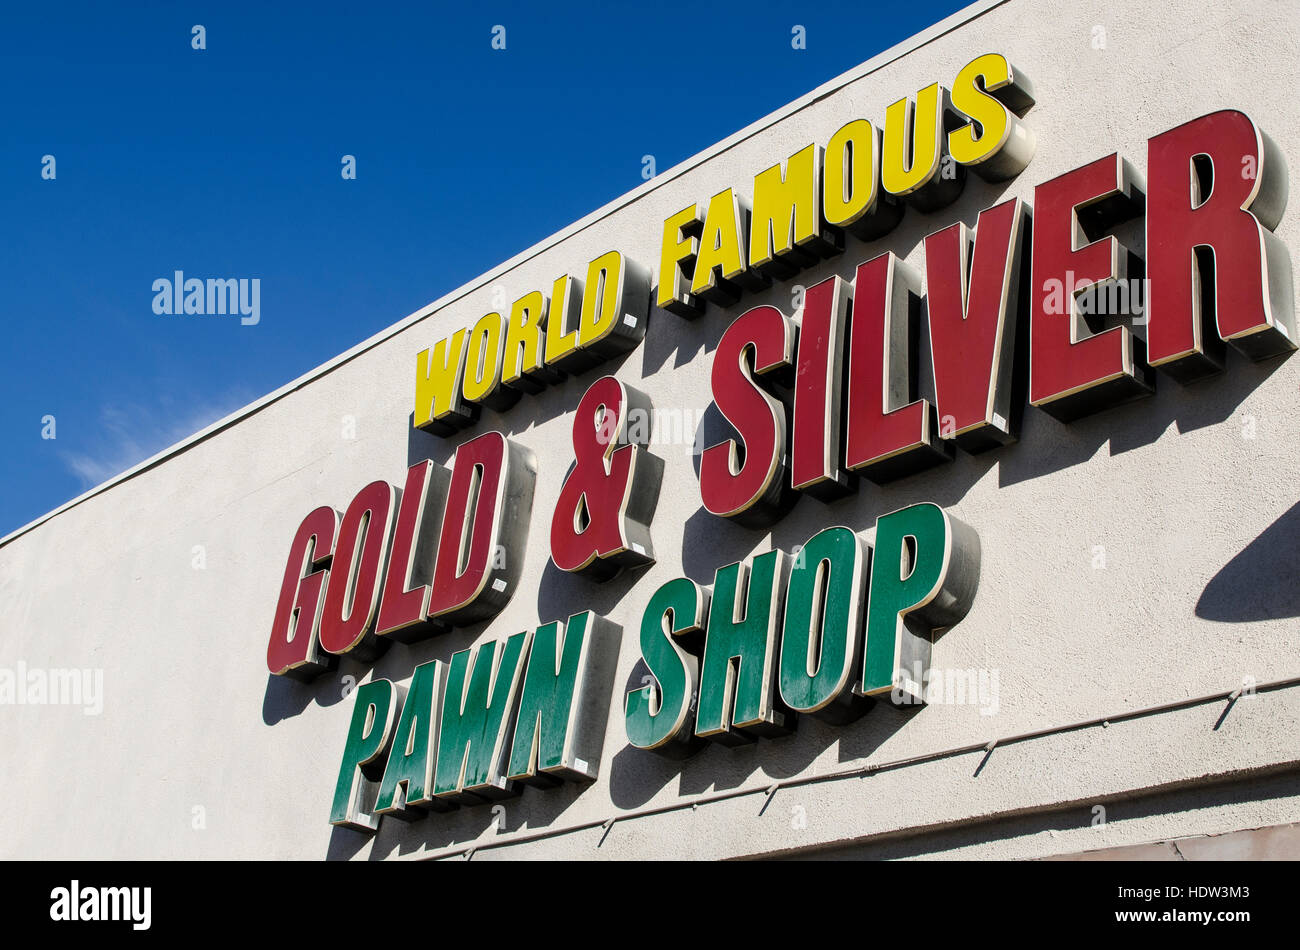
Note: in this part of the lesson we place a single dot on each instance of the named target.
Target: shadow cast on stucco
(345, 844)
(466, 826)
(529, 810)
(285, 698)
(636, 776)
(421, 445)
(1257, 584)
(532, 410)
(682, 340)
(1047, 446)
(560, 594)
(709, 542)
(536, 409)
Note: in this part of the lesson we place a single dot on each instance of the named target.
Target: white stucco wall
(1198, 524)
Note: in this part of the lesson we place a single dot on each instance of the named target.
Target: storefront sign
(1034, 306)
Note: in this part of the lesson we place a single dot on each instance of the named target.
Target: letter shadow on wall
(637, 775)
(286, 697)
(421, 445)
(531, 411)
(530, 810)
(710, 541)
(1047, 446)
(561, 593)
(1259, 583)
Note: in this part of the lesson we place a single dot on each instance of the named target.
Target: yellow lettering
(851, 194)
(614, 306)
(721, 250)
(483, 366)
(524, 352)
(601, 298)
(995, 143)
(786, 225)
(913, 161)
(561, 342)
(677, 255)
(438, 376)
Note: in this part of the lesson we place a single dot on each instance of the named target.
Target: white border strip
(879, 61)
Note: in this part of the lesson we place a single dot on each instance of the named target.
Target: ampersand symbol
(602, 520)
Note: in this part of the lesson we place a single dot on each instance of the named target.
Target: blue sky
(226, 162)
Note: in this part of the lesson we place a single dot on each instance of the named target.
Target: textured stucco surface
(1198, 523)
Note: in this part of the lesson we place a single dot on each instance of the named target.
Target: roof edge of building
(880, 60)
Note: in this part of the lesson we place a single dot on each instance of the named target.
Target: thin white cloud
(129, 434)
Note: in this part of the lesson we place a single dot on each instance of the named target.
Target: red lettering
(1076, 366)
(1216, 270)
(972, 305)
(601, 523)
(352, 595)
(891, 432)
(404, 604)
(815, 450)
(745, 479)
(484, 529)
(295, 648)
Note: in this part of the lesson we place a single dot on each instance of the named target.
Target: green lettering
(561, 724)
(359, 774)
(738, 685)
(656, 715)
(476, 716)
(923, 578)
(821, 637)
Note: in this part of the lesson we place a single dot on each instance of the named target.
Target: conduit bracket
(988, 753)
(608, 824)
(1235, 695)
